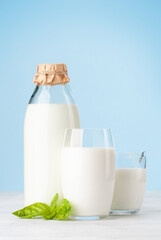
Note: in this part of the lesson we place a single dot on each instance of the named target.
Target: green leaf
(54, 202)
(63, 210)
(55, 211)
(34, 210)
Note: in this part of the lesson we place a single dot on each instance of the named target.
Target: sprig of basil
(55, 211)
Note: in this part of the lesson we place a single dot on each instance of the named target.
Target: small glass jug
(130, 183)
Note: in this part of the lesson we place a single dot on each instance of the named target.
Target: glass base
(89, 218)
(124, 212)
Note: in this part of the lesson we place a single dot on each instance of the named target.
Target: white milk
(88, 179)
(129, 188)
(43, 137)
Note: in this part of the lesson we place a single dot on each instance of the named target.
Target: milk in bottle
(50, 111)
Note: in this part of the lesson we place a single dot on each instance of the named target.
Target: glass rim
(82, 134)
(91, 129)
(130, 154)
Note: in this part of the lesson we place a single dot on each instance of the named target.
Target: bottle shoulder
(58, 94)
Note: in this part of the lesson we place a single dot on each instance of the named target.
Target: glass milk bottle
(50, 111)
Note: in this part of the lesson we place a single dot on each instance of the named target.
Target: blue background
(113, 53)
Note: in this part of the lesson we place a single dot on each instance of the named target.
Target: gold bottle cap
(51, 74)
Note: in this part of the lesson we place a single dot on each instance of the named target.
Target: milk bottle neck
(52, 94)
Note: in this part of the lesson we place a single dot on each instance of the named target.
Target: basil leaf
(54, 202)
(63, 210)
(34, 210)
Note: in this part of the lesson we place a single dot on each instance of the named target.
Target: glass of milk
(88, 172)
(130, 183)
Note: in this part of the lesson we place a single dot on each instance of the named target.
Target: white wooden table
(145, 225)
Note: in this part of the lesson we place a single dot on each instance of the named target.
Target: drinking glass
(130, 183)
(88, 172)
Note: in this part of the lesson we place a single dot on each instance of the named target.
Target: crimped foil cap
(51, 74)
